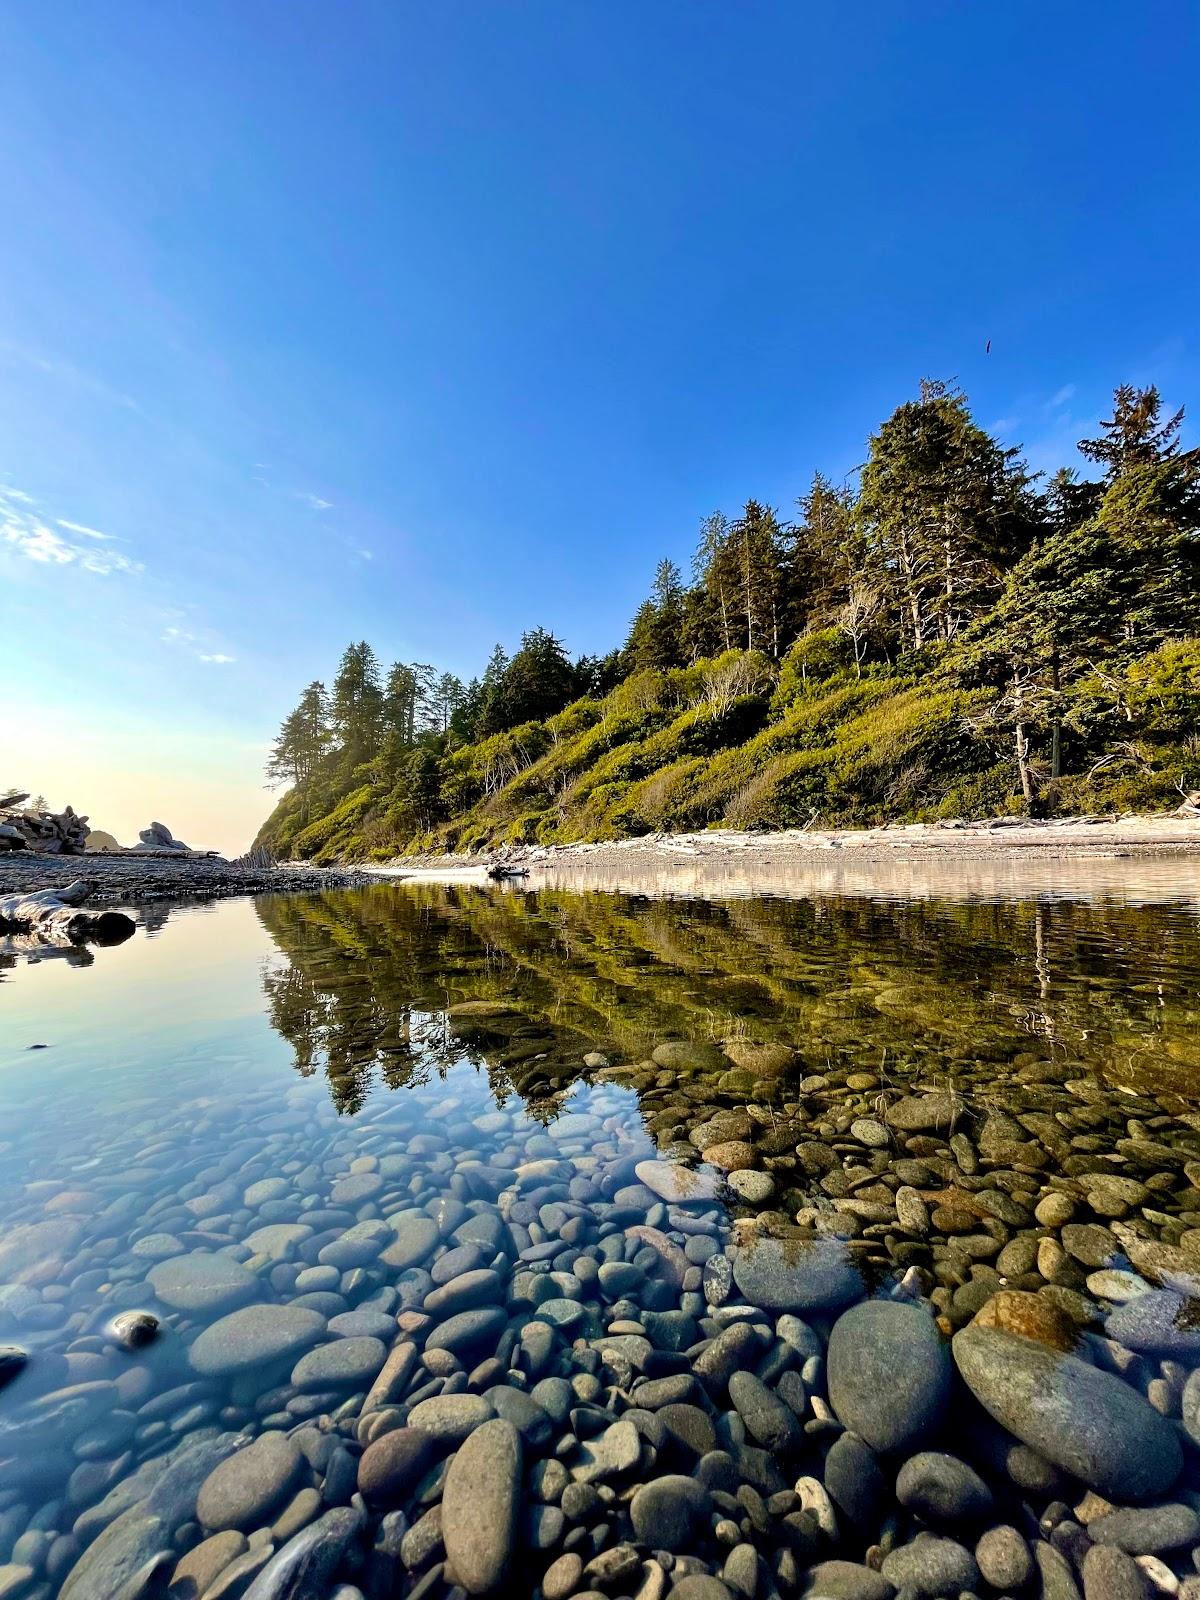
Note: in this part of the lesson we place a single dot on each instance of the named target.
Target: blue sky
(433, 323)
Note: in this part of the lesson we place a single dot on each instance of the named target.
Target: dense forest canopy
(951, 635)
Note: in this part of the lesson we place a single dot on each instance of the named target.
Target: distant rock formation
(99, 840)
(159, 837)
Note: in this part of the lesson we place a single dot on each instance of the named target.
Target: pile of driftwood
(57, 916)
(1190, 805)
(62, 833)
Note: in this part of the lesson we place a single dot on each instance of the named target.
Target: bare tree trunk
(1056, 724)
(1028, 787)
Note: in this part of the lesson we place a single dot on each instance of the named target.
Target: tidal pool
(545, 1240)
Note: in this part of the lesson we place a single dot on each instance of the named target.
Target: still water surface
(337, 1107)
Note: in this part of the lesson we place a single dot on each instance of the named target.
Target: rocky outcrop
(159, 837)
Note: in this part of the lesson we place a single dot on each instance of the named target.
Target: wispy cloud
(27, 534)
(313, 500)
(82, 527)
(1061, 396)
(196, 645)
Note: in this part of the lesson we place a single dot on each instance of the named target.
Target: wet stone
(254, 1336)
(796, 1274)
(203, 1283)
(931, 1566)
(242, 1490)
(343, 1364)
(480, 1505)
(1086, 1421)
(889, 1373)
(667, 1510)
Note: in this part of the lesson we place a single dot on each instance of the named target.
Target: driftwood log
(46, 832)
(57, 916)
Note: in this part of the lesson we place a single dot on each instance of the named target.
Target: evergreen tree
(656, 635)
(1134, 436)
(944, 509)
(303, 740)
(539, 680)
(357, 705)
(493, 710)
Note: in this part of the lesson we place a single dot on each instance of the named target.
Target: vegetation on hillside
(949, 636)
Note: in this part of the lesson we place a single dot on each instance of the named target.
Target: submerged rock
(679, 1185)
(1088, 1422)
(480, 1504)
(889, 1373)
(797, 1274)
(253, 1337)
(13, 1359)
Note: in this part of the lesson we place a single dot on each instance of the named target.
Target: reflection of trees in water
(915, 987)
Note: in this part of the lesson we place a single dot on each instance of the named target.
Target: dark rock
(133, 1329)
(469, 1331)
(1110, 1574)
(940, 1488)
(388, 1468)
(847, 1580)
(1148, 1530)
(931, 1566)
(854, 1482)
(889, 1373)
(768, 1421)
(666, 1511)
(12, 1360)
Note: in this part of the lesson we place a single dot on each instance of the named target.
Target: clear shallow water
(328, 1095)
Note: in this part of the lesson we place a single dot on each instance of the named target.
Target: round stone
(242, 1490)
(253, 1337)
(796, 1274)
(390, 1466)
(343, 1364)
(450, 1417)
(1004, 1560)
(888, 1374)
(677, 1184)
(666, 1511)
(133, 1329)
(415, 1236)
(12, 1360)
(203, 1283)
(753, 1187)
(930, 1566)
(480, 1504)
(942, 1489)
(1160, 1323)
(469, 1330)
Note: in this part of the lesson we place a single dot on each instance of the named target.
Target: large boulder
(889, 1374)
(1088, 1422)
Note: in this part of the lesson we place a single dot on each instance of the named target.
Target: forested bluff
(951, 635)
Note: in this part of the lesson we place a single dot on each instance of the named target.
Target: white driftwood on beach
(47, 832)
(57, 916)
